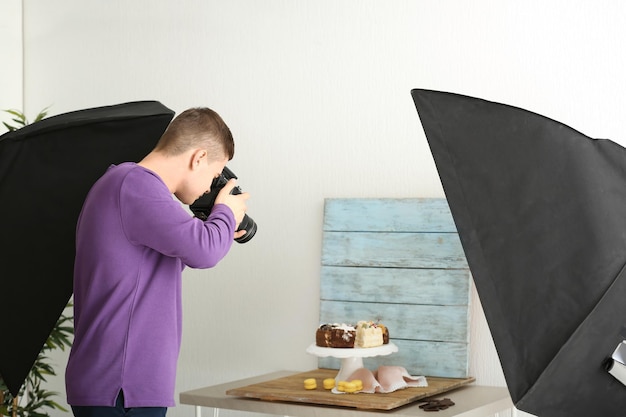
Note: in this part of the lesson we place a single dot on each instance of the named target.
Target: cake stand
(351, 358)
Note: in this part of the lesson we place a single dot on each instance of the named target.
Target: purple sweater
(133, 240)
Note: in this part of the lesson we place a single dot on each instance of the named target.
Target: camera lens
(249, 226)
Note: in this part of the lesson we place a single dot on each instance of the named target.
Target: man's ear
(198, 157)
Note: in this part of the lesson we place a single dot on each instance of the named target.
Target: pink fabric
(387, 379)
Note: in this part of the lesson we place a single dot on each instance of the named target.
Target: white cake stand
(351, 358)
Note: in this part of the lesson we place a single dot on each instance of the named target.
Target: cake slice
(335, 335)
(370, 334)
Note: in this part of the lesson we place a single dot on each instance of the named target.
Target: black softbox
(541, 212)
(46, 170)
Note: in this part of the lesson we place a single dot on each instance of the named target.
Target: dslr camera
(201, 208)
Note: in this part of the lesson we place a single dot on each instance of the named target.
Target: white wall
(317, 96)
(11, 61)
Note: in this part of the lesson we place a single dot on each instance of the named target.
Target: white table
(470, 401)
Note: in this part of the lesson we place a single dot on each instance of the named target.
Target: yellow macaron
(329, 383)
(350, 387)
(310, 383)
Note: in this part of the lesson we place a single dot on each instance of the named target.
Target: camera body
(201, 208)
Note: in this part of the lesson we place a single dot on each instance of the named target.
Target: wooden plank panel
(443, 359)
(399, 261)
(395, 285)
(291, 388)
(395, 250)
(377, 215)
(405, 321)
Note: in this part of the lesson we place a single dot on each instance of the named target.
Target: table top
(470, 401)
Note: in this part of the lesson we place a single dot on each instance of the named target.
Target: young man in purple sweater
(132, 242)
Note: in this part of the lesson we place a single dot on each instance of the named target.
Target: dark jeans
(118, 410)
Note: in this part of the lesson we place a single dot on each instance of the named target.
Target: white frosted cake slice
(368, 334)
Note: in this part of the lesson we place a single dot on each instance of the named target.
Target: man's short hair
(198, 127)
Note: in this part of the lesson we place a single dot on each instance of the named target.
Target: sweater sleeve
(152, 217)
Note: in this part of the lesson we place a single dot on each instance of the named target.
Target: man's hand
(237, 203)
(239, 234)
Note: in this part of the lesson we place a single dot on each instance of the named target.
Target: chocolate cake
(335, 335)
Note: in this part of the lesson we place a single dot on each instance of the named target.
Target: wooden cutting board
(291, 389)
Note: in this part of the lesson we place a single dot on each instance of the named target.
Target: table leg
(216, 411)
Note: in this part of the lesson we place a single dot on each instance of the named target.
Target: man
(132, 242)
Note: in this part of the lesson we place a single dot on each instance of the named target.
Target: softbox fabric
(46, 170)
(541, 213)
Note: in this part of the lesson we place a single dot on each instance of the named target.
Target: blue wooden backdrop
(399, 261)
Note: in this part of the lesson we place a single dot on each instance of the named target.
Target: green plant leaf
(20, 119)
(42, 114)
(17, 113)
